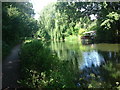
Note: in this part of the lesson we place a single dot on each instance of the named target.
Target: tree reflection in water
(92, 58)
(95, 65)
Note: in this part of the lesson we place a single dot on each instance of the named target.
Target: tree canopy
(17, 23)
(62, 19)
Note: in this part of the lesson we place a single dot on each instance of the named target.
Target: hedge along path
(11, 69)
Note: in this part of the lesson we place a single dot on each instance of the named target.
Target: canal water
(89, 58)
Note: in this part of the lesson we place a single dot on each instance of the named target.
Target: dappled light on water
(91, 58)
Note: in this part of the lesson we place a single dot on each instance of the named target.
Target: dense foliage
(59, 21)
(17, 23)
(108, 22)
(40, 68)
(62, 19)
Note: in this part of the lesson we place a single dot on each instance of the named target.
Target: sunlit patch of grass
(71, 38)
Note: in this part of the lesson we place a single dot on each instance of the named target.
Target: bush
(40, 68)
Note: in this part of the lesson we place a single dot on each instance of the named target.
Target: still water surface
(98, 61)
(87, 55)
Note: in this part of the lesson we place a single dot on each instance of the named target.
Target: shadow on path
(11, 69)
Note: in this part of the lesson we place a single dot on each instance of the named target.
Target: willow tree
(47, 21)
(62, 19)
(52, 22)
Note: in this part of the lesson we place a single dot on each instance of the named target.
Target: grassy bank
(71, 38)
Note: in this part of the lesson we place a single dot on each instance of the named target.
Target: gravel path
(11, 69)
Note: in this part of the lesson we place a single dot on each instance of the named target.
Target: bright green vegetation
(71, 38)
(51, 53)
(60, 20)
(63, 19)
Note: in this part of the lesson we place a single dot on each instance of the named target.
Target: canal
(95, 63)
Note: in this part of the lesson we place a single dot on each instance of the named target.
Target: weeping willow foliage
(62, 19)
(56, 25)
(52, 23)
(57, 22)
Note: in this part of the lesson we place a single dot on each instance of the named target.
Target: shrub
(35, 56)
(40, 68)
